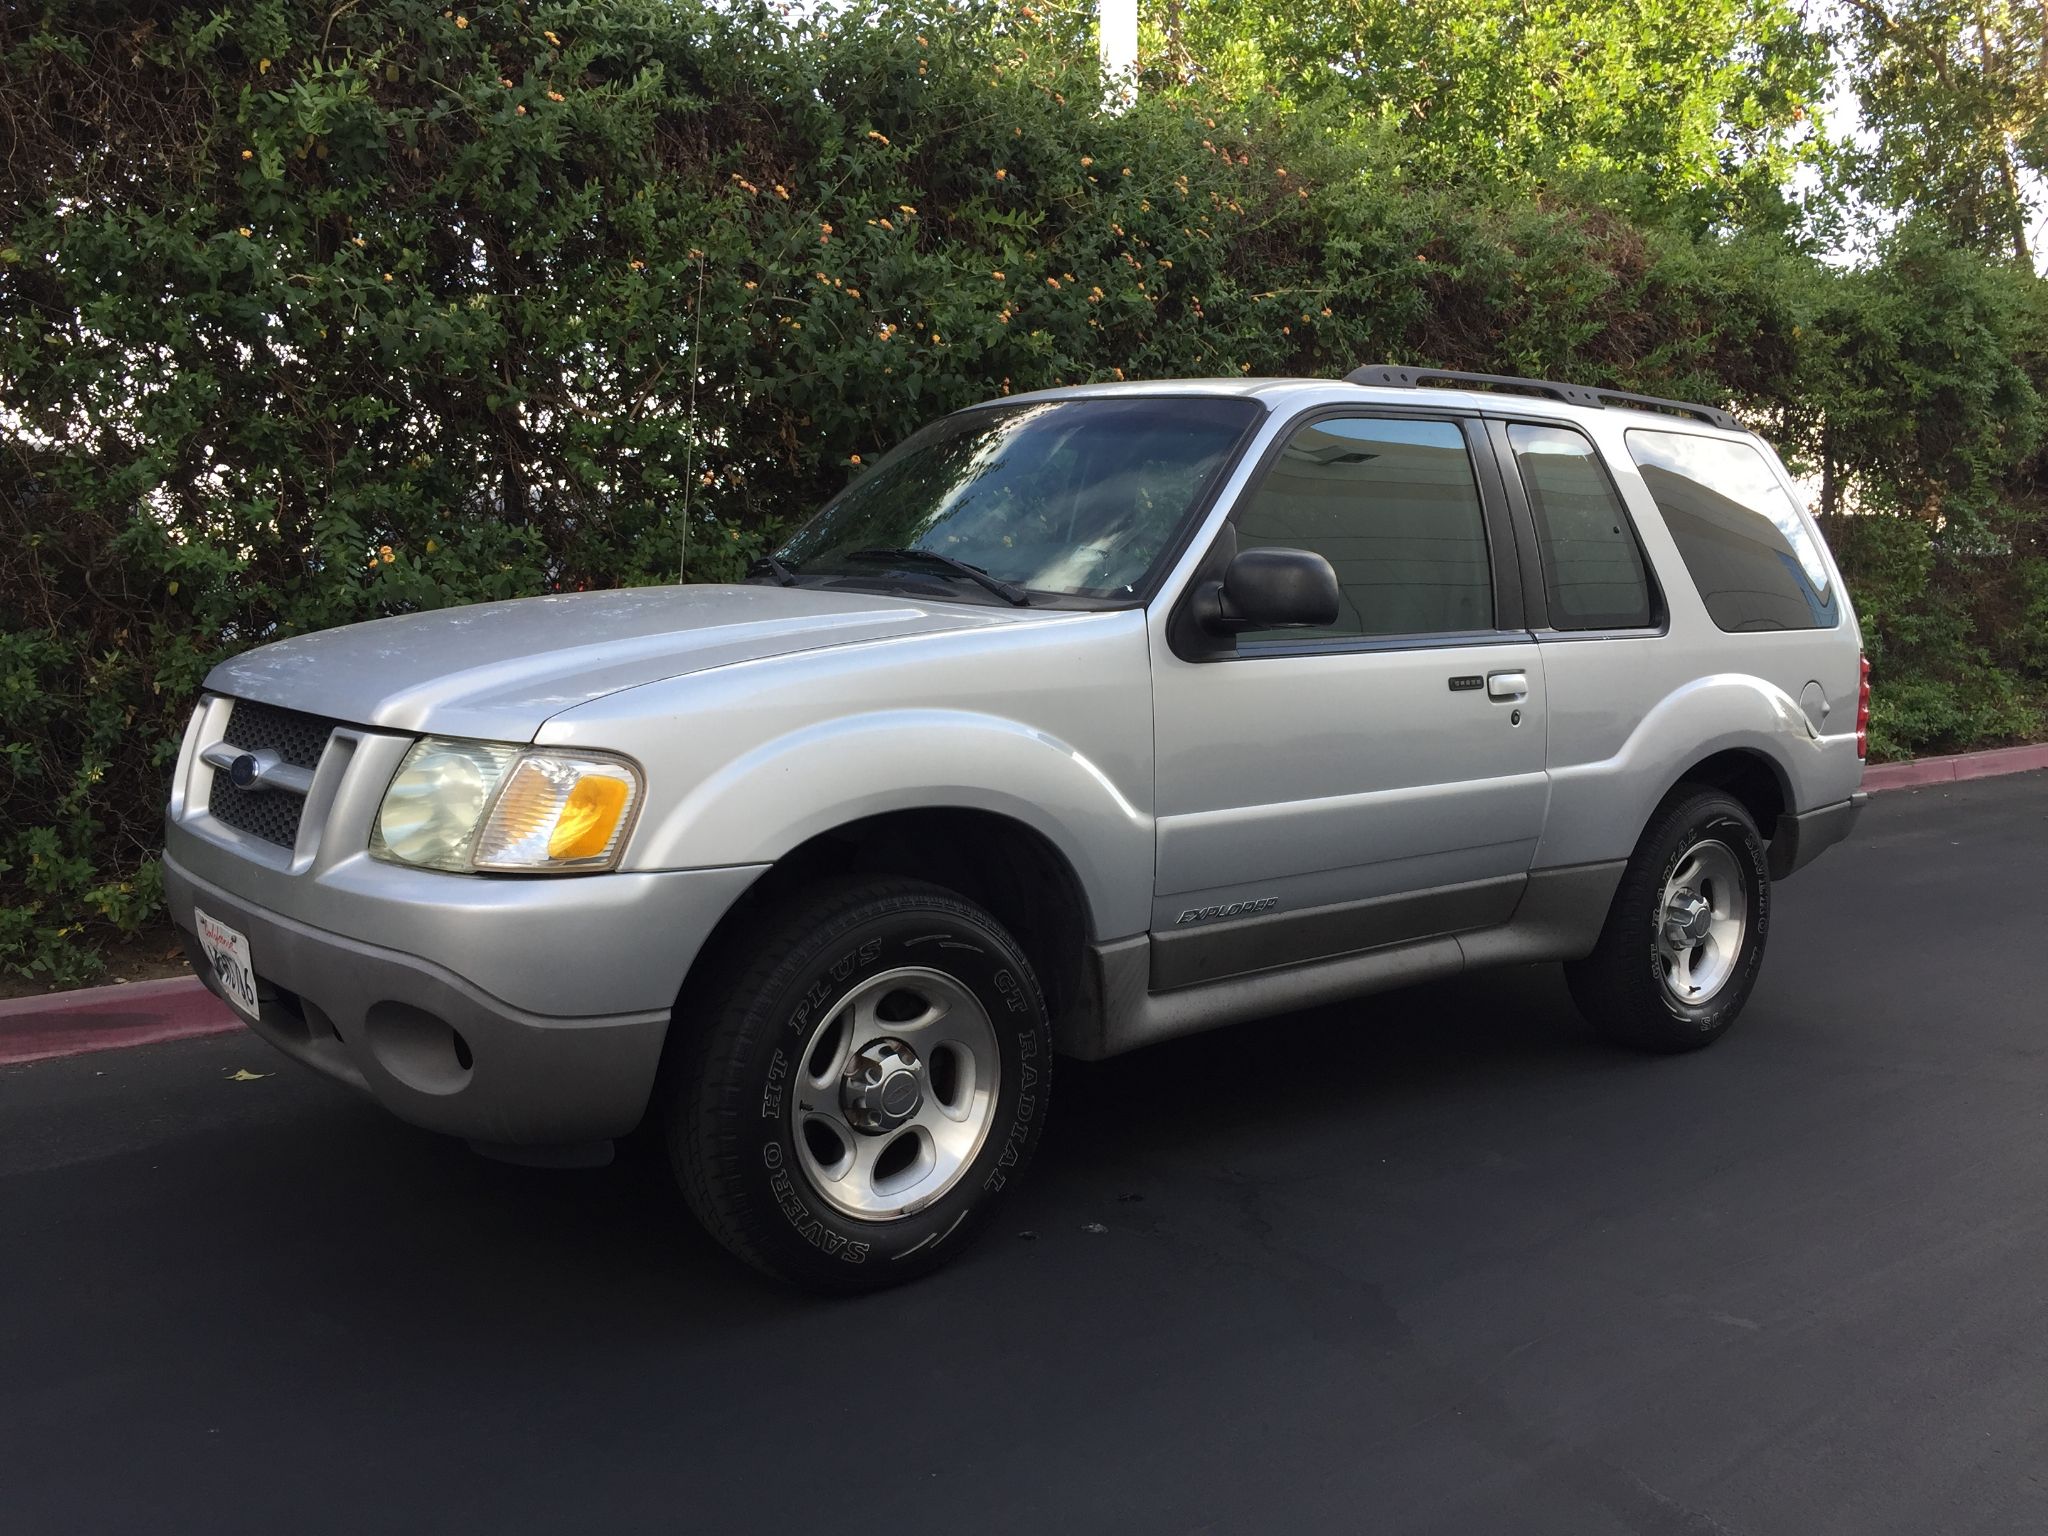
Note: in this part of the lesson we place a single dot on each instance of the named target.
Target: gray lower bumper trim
(426, 1044)
(1801, 839)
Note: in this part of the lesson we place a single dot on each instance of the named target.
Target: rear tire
(1684, 938)
(791, 1118)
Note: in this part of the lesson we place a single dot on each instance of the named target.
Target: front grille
(271, 813)
(297, 738)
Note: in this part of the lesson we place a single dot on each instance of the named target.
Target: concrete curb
(109, 1019)
(150, 1012)
(1922, 771)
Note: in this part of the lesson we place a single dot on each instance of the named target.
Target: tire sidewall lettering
(1008, 995)
(1744, 843)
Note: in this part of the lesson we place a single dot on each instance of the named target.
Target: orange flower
(552, 38)
(248, 154)
(781, 191)
(245, 231)
(879, 138)
(885, 224)
(461, 22)
(752, 286)
(1001, 174)
(997, 276)
(387, 277)
(1086, 161)
(556, 96)
(637, 265)
(853, 458)
(1052, 282)
(520, 109)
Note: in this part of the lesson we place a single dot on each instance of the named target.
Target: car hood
(498, 670)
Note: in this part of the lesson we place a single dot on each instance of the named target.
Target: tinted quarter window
(1592, 569)
(1743, 541)
(1392, 505)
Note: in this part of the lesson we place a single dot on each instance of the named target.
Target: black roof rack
(1388, 376)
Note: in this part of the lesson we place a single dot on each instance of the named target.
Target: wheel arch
(999, 862)
(1753, 777)
(1737, 733)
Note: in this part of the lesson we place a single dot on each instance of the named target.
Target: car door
(1326, 791)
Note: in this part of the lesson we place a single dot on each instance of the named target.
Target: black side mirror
(1269, 589)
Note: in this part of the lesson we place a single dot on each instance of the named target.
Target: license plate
(228, 953)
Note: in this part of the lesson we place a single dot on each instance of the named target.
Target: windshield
(1077, 497)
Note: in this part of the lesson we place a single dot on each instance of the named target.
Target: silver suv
(1083, 720)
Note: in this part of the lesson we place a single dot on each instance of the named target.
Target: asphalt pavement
(1433, 1262)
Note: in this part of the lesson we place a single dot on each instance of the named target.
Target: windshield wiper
(769, 566)
(1007, 591)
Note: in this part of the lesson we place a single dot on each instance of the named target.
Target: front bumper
(1802, 838)
(517, 1012)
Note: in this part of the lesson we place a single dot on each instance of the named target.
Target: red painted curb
(109, 1019)
(1922, 771)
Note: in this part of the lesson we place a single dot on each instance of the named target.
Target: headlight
(475, 805)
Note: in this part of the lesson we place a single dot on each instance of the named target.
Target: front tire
(1684, 939)
(862, 1086)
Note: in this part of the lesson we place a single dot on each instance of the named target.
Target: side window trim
(1509, 584)
(1535, 593)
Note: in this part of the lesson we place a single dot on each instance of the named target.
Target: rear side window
(1592, 570)
(1748, 550)
(1394, 508)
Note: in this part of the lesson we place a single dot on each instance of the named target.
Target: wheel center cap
(1687, 917)
(883, 1086)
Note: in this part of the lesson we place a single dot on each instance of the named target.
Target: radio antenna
(690, 442)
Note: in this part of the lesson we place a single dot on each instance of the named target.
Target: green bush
(310, 314)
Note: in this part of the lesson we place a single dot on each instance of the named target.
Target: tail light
(1863, 709)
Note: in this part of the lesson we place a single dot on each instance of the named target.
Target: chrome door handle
(1507, 685)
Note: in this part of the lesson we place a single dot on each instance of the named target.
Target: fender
(1598, 809)
(757, 806)
(747, 761)
(762, 804)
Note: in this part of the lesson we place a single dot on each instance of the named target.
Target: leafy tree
(1955, 93)
(1698, 109)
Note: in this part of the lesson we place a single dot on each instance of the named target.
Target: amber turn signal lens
(560, 811)
(588, 818)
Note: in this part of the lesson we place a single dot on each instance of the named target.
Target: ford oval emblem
(244, 770)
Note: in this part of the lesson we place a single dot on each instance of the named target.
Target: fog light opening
(420, 1049)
